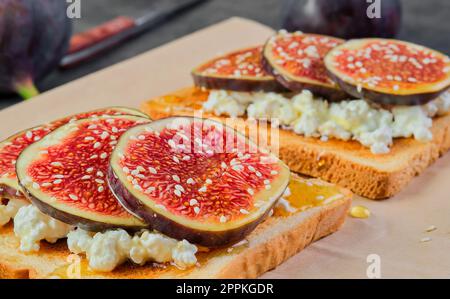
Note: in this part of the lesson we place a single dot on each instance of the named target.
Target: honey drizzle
(305, 194)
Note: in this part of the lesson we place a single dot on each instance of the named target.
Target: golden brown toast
(346, 163)
(275, 240)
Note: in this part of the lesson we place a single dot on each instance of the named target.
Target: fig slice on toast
(196, 179)
(11, 148)
(238, 71)
(389, 72)
(296, 61)
(64, 173)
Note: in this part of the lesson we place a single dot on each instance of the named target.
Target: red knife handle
(97, 34)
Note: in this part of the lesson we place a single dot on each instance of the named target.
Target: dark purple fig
(344, 18)
(34, 35)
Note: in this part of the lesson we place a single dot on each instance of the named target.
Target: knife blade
(88, 44)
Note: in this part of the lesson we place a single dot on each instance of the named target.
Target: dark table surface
(425, 22)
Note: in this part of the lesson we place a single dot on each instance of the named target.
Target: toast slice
(346, 163)
(271, 243)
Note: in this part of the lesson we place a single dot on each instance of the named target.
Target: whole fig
(34, 36)
(343, 18)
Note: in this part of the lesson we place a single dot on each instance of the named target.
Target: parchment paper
(394, 230)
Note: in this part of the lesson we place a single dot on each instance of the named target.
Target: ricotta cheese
(105, 251)
(31, 226)
(9, 211)
(357, 120)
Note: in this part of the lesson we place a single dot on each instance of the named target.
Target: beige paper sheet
(396, 226)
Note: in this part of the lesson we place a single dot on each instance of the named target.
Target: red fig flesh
(64, 173)
(196, 179)
(239, 71)
(296, 61)
(389, 72)
(11, 148)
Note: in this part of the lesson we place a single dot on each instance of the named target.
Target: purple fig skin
(329, 93)
(34, 37)
(234, 84)
(175, 230)
(343, 18)
(385, 98)
(83, 223)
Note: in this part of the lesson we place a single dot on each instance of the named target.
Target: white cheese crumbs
(32, 226)
(196, 210)
(374, 128)
(9, 211)
(176, 178)
(193, 202)
(190, 181)
(223, 219)
(152, 170)
(105, 251)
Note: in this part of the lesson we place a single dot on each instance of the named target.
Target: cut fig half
(389, 72)
(296, 61)
(238, 71)
(11, 148)
(64, 173)
(196, 179)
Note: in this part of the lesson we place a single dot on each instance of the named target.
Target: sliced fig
(239, 71)
(196, 179)
(296, 61)
(64, 173)
(389, 72)
(14, 145)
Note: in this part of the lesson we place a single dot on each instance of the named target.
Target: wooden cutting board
(391, 235)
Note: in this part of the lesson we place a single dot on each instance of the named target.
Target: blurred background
(424, 22)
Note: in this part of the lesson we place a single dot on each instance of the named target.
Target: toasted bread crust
(269, 255)
(346, 163)
(272, 242)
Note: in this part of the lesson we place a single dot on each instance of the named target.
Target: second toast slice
(346, 163)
